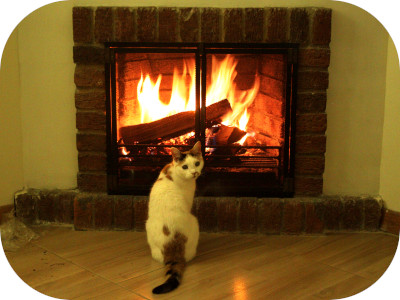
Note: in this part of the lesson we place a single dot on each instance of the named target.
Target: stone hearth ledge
(299, 215)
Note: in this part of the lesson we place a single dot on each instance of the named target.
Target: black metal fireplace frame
(251, 186)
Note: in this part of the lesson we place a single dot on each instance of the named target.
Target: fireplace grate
(215, 160)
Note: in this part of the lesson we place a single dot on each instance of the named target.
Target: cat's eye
(197, 163)
(184, 167)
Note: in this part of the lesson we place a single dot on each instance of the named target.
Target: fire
(222, 86)
(243, 139)
(124, 151)
(182, 98)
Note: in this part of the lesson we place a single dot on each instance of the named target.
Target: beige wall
(47, 97)
(356, 95)
(356, 98)
(11, 170)
(390, 165)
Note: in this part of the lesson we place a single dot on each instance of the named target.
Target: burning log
(227, 135)
(224, 136)
(172, 126)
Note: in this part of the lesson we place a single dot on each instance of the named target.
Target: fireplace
(236, 98)
(95, 29)
(101, 31)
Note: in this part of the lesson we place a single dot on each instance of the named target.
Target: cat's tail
(175, 272)
(175, 263)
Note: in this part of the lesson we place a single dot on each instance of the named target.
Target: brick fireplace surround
(89, 207)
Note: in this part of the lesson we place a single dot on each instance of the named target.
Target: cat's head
(188, 164)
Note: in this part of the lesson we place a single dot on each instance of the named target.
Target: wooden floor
(70, 264)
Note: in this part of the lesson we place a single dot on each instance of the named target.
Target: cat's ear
(196, 150)
(176, 154)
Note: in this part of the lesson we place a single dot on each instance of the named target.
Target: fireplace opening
(237, 99)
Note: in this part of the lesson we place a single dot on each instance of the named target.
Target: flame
(243, 139)
(124, 151)
(222, 86)
(182, 98)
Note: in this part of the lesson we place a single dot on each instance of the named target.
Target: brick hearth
(308, 215)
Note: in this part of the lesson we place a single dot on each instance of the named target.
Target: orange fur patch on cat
(166, 168)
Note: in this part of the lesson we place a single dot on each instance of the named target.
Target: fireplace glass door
(237, 99)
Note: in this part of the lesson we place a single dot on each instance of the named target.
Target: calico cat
(172, 231)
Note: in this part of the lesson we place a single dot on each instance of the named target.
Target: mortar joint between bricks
(91, 110)
(83, 44)
(363, 215)
(314, 46)
(311, 13)
(258, 204)
(135, 24)
(266, 15)
(289, 23)
(221, 37)
(282, 209)
(312, 69)
(178, 37)
(199, 24)
(157, 30)
(93, 16)
(243, 21)
(113, 14)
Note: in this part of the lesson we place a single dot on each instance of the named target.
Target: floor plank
(70, 264)
(342, 288)
(37, 266)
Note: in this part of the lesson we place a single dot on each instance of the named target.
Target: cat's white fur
(170, 204)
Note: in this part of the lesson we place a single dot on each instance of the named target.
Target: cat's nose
(195, 174)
